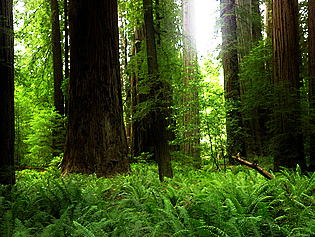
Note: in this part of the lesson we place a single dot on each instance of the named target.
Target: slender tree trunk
(57, 59)
(142, 126)
(125, 79)
(66, 52)
(311, 68)
(96, 140)
(268, 19)
(158, 96)
(7, 174)
(235, 142)
(191, 115)
(288, 138)
(249, 26)
(58, 139)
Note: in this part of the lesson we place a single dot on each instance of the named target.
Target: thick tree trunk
(96, 140)
(235, 142)
(288, 138)
(311, 68)
(191, 115)
(157, 94)
(57, 59)
(7, 175)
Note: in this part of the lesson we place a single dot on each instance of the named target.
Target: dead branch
(254, 166)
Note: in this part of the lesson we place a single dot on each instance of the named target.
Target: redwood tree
(57, 59)
(7, 175)
(231, 79)
(288, 138)
(66, 49)
(158, 97)
(311, 68)
(96, 140)
(191, 111)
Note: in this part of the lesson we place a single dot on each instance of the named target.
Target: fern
(82, 231)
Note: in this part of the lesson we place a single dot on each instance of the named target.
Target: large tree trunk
(96, 140)
(235, 142)
(311, 68)
(57, 59)
(7, 175)
(158, 97)
(288, 138)
(191, 146)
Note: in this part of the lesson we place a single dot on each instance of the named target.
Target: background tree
(288, 144)
(57, 59)
(254, 113)
(191, 126)
(311, 69)
(36, 120)
(66, 49)
(231, 78)
(158, 94)
(58, 142)
(96, 140)
(7, 173)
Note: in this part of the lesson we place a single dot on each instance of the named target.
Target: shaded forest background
(173, 106)
(110, 125)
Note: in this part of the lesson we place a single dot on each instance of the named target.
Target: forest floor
(235, 202)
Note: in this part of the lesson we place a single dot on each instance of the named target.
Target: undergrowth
(237, 202)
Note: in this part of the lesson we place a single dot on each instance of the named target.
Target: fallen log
(254, 166)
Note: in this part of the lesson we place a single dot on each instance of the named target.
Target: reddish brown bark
(231, 79)
(288, 139)
(96, 140)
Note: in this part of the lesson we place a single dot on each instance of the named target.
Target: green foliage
(238, 202)
(39, 130)
(212, 110)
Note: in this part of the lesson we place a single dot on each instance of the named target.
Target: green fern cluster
(238, 202)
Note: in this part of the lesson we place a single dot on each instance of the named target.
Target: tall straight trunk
(191, 114)
(288, 138)
(7, 174)
(57, 59)
(142, 126)
(231, 79)
(249, 27)
(58, 141)
(268, 18)
(311, 68)
(96, 140)
(66, 49)
(157, 94)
